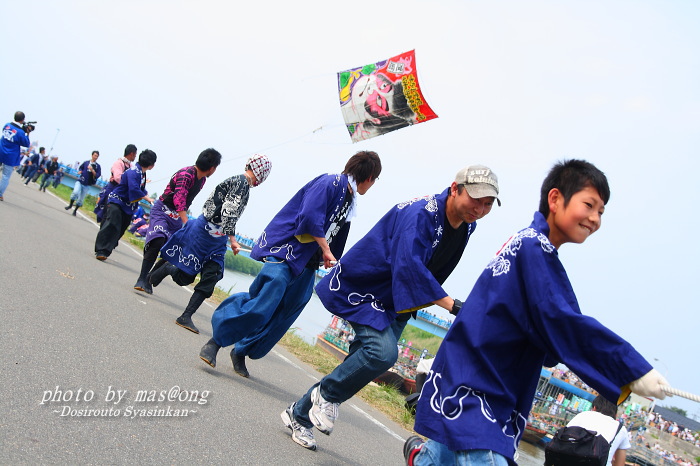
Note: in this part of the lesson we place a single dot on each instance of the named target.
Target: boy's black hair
(147, 158)
(208, 159)
(19, 116)
(42, 149)
(363, 166)
(95, 152)
(570, 177)
(603, 406)
(129, 149)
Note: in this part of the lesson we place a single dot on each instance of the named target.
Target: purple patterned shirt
(182, 189)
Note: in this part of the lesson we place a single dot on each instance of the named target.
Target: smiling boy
(522, 314)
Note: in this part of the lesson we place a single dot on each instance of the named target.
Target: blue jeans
(79, 193)
(6, 173)
(46, 181)
(29, 174)
(255, 321)
(434, 453)
(372, 353)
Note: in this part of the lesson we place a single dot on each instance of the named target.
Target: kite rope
(675, 391)
(239, 157)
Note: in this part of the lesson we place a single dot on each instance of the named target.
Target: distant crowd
(570, 377)
(39, 167)
(669, 456)
(664, 425)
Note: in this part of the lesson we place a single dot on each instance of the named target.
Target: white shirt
(606, 427)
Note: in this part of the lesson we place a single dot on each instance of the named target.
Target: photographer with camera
(14, 136)
(89, 172)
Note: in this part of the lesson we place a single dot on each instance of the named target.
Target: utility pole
(54, 140)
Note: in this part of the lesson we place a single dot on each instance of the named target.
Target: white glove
(650, 385)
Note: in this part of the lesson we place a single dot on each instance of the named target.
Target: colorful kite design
(382, 97)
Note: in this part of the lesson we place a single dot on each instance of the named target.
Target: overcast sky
(517, 86)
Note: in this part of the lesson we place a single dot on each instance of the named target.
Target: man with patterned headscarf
(200, 247)
(169, 212)
(310, 230)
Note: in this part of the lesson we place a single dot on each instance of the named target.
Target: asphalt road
(75, 336)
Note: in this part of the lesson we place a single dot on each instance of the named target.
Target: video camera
(29, 126)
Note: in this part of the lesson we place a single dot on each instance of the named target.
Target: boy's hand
(235, 247)
(650, 385)
(329, 259)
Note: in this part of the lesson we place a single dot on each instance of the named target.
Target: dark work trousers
(209, 277)
(114, 224)
(152, 249)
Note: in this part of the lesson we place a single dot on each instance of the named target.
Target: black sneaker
(300, 434)
(411, 448)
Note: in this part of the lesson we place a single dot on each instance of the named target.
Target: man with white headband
(310, 230)
(200, 246)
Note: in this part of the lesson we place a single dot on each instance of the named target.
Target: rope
(675, 391)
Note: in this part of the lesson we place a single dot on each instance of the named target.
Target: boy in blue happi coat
(522, 314)
(399, 266)
(88, 174)
(311, 229)
(122, 203)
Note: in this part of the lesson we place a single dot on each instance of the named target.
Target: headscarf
(261, 166)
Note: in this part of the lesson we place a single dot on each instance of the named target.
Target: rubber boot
(142, 283)
(239, 364)
(75, 212)
(160, 272)
(185, 320)
(70, 205)
(208, 352)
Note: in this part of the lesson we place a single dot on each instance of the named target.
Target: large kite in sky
(382, 97)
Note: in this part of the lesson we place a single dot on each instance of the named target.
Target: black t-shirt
(445, 257)
(448, 252)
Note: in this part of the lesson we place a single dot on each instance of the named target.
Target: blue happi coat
(387, 270)
(313, 211)
(130, 190)
(521, 310)
(86, 177)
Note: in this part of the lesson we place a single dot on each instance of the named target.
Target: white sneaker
(322, 413)
(300, 434)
